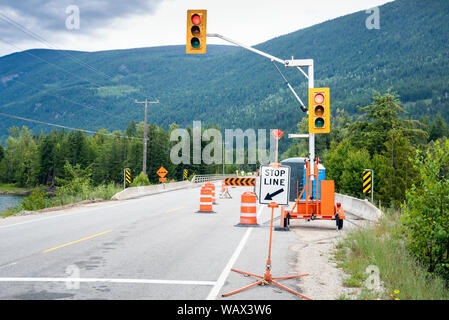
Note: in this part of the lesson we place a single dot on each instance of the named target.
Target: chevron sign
(240, 182)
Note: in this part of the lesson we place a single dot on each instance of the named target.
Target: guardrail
(136, 192)
(360, 208)
(200, 178)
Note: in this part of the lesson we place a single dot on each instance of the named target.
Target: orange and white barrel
(211, 186)
(206, 200)
(213, 197)
(248, 211)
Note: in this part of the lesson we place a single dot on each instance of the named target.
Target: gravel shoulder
(314, 251)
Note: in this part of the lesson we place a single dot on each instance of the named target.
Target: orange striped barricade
(248, 210)
(224, 191)
(206, 200)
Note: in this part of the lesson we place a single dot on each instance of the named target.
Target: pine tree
(438, 128)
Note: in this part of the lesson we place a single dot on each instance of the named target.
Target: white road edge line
(224, 274)
(259, 214)
(142, 281)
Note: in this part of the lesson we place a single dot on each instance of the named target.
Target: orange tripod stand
(267, 278)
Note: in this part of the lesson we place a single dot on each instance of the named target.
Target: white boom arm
(293, 63)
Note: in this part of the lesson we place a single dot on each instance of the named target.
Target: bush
(426, 214)
(140, 180)
(105, 191)
(35, 201)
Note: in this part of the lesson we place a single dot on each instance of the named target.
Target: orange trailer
(315, 207)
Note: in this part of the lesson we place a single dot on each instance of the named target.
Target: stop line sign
(274, 185)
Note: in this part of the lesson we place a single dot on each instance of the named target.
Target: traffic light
(319, 110)
(196, 31)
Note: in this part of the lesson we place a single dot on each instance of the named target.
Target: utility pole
(145, 134)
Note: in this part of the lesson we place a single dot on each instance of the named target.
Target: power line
(54, 94)
(66, 127)
(144, 159)
(48, 62)
(83, 130)
(44, 41)
(60, 97)
(60, 51)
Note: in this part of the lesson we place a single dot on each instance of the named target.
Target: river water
(9, 201)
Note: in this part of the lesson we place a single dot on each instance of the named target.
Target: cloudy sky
(117, 24)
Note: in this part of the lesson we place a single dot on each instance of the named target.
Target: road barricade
(224, 191)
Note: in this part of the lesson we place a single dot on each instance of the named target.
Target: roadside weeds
(381, 247)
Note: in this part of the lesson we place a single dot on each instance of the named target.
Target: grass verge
(401, 275)
(11, 188)
(38, 199)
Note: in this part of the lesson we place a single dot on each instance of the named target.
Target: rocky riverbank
(15, 193)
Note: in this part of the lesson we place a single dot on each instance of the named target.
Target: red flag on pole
(277, 134)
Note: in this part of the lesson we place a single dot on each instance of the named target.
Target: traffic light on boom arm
(196, 31)
(319, 110)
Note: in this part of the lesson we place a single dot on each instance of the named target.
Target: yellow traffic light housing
(196, 31)
(319, 110)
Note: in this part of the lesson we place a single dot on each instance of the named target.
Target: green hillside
(234, 88)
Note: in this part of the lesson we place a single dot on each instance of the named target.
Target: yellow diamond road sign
(162, 172)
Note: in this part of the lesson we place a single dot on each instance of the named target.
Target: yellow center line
(73, 242)
(173, 210)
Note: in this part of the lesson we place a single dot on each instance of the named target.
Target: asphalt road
(155, 247)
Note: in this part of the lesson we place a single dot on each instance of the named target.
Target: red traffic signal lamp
(196, 31)
(319, 110)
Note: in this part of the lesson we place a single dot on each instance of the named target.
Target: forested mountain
(234, 88)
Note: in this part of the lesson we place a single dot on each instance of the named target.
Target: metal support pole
(293, 63)
(145, 135)
(222, 155)
(372, 186)
(311, 135)
(266, 55)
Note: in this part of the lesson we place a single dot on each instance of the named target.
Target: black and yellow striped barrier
(127, 176)
(367, 181)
